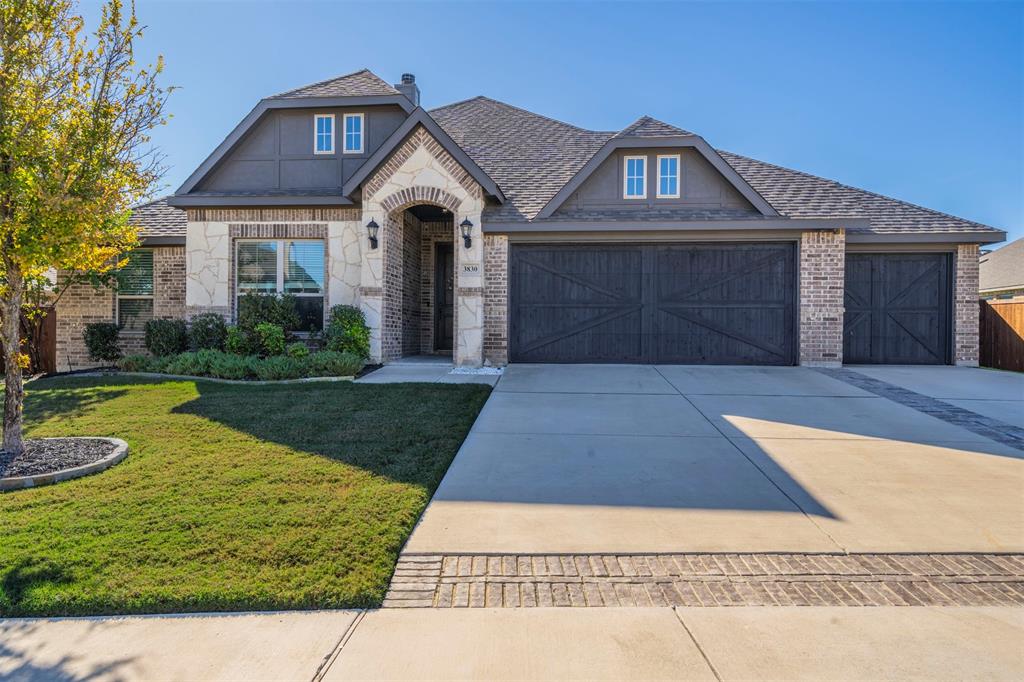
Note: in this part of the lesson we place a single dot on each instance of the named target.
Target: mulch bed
(52, 455)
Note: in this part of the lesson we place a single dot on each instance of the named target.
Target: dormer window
(668, 176)
(353, 133)
(323, 134)
(635, 177)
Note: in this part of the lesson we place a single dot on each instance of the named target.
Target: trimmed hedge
(166, 337)
(207, 331)
(101, 339)
(347, 331)
(221, 365)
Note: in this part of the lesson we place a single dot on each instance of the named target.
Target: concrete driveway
(617, 458)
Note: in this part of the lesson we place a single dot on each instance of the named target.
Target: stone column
(371, 291)
(469, 291)
(207, 268)
(345, 245)
(822, 285)
(965, 306)
(496, 299)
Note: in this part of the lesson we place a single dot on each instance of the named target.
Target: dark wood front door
(670, 303)
(898, 308)
(444, 297)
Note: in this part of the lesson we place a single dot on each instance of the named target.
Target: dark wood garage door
(667, 303)
(898, 308)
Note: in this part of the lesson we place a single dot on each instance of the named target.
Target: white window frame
(625, 177)
(316, 135)
(344, 134)
(136, 297)
(279, 279)
(679, 169)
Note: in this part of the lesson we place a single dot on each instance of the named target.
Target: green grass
(231, 498)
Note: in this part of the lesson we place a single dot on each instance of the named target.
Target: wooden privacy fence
(1002, 335)
(42, 350)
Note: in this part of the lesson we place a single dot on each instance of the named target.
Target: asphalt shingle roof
(1003, 268)
(157, 219)
(532, 156)
(362, 83)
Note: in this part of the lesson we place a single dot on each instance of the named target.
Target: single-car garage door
(898, 308)
(667, 303)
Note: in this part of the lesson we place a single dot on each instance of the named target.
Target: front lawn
(233, 497)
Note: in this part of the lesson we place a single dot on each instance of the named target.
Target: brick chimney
(409, 88)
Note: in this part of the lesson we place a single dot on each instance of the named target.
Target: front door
(444, 296)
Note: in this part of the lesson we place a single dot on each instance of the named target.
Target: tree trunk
(14, 392)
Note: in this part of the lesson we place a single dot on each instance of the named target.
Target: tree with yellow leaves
(75, 115)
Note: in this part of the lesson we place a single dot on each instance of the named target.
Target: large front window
(288, 266)
(135, 291)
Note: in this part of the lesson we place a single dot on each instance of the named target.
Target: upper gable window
(668, 177)
(635, 176)
(323, 134)
(353, 133)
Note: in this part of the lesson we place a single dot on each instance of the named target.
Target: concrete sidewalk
(530, 644)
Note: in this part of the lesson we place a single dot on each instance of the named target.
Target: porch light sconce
(371, 229)
(467, 232)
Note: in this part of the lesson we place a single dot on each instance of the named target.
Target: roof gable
(418, 118)
(649, 133)
(360, 83)
(1003, 268)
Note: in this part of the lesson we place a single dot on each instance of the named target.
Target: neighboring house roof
(159, 222)
(1003, 268)
(362, 83)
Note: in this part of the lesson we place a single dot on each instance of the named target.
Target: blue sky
(920, 101)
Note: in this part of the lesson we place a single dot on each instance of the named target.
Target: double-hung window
(135, 291)
(284, 266)
(635, 177)
(353, 133)
(668, 177)
(323, 134)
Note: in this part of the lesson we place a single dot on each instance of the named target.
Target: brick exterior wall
(496, 299)
(965, 306)
(420, 138)
(279, 215)
(411, 284)
(822, 284)
(391, 242)
(84, 304)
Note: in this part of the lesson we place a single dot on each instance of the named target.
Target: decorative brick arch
(419, 194)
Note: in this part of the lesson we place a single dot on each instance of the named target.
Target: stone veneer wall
(822, 285)
(84, 304)
(965, 305)
(496, 299)
(432, 234)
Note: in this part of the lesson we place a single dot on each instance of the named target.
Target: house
(1001, 273)
(495, 234)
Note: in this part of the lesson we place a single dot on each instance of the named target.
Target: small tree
(75, 116)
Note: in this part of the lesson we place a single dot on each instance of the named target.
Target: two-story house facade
(495, 234)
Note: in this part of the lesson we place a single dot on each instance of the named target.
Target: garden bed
(49, 460)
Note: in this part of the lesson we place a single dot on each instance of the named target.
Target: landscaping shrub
(270, 339)
(256, 309)
(228, 366)
(101, 339)
(207, 331)
(297, 350)
(334, 364)
(135, 363)
(280, 367)
(238, 342)
(222, 365)
(166, 337)
(347, 331)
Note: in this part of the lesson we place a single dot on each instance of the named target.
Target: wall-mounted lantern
(467, 232)
(371, 229)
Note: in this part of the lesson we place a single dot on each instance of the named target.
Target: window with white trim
(635, 177)
(353, 133)
(668, 176)
(323, 134)
(284, 266)
(135, 291)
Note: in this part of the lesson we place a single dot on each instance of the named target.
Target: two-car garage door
(667, 303)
